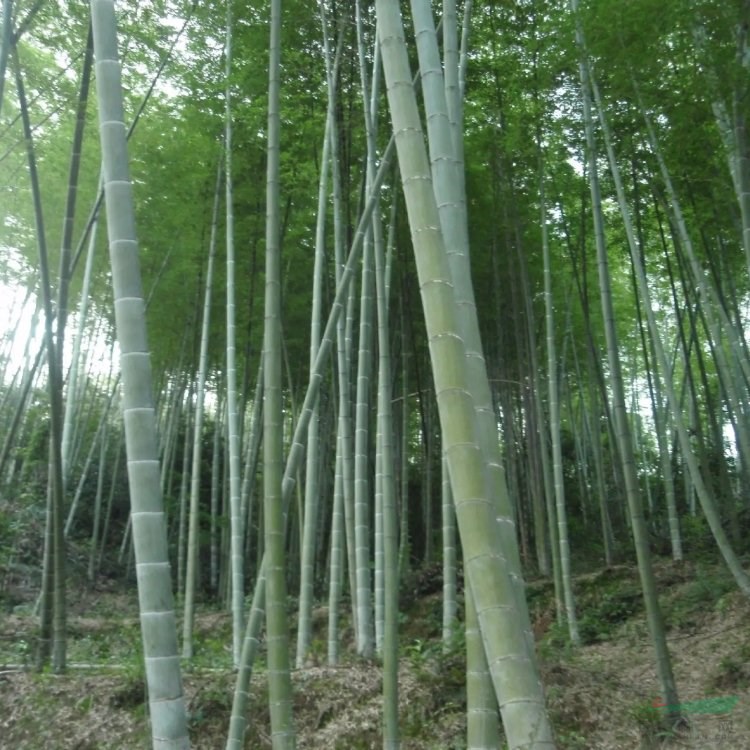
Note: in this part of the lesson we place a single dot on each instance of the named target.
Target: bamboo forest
(374, 374)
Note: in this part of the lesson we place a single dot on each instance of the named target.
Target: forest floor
(601, 696)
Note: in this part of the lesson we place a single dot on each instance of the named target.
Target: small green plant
(131, 692)
(708, 590)
(84, 705)
(650, 722)
(732, 672)
(646, 715)
(210, 650)
(723, 604)
(212, 703)
(697, 539)
(318, 651)
(611, 610)
(418, 650)
(573, 740)
(556, 643)
(23, 652)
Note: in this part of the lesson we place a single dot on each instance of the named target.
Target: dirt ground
(601, 696)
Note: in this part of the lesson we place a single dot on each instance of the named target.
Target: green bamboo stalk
(236, 531)
(279, 680)
(500, 612)
(5, 43)
(191, 573)
(163, 678)
(54, 384)
(554, 426)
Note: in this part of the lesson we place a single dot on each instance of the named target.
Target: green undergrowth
(340, 707)
(609, 603)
